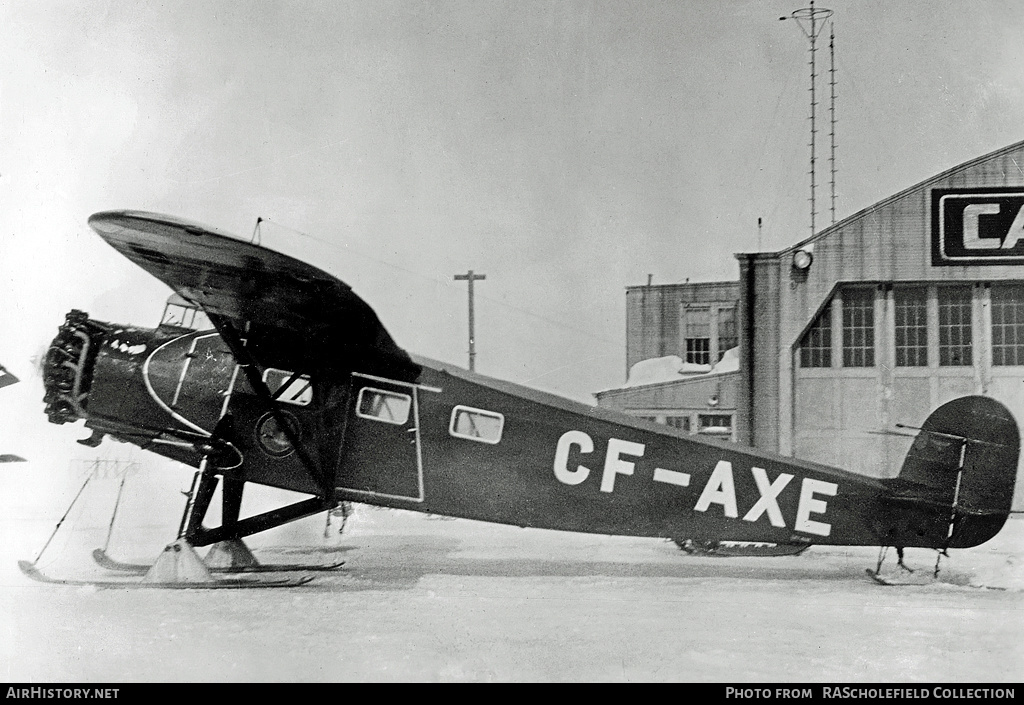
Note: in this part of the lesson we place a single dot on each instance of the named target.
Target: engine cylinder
(67, 369)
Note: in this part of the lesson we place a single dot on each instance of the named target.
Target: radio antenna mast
(832, 110)
(811, 21)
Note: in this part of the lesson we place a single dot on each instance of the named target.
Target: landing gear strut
(228, 552)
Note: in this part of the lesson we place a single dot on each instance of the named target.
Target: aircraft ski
(30, 571)
(105, 561)
(734, 549)
(271, 371)
(903, 579)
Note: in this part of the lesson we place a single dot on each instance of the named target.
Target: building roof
(941, 176)
(671, 370)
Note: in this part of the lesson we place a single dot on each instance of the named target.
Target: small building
(681, 357)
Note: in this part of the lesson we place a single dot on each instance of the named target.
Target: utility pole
(470, 277)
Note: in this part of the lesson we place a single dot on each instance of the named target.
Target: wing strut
(249, 365)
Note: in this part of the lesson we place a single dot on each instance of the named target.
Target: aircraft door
(381, 452)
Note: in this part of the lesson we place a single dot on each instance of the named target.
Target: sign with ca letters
(973, 226)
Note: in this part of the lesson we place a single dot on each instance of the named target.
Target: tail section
(964, 462)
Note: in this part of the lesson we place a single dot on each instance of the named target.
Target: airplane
(297, 385)
(8, 378)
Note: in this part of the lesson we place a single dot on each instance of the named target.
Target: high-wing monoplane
(299, 386)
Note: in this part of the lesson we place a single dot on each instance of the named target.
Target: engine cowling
(68, 367)
(162, 388)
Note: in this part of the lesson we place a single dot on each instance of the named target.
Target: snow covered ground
(428, 599)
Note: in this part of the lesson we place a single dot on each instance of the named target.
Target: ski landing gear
(904, 574)
(734, 549)
(180, 566)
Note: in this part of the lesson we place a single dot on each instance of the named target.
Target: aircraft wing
(291, 314)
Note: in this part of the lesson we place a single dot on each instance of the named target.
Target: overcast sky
(564, 149)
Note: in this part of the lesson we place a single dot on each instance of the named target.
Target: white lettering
(671, 477)
(769, 491)
(565, 443)
(1016, 233)
(614, 464)
(809, 505)
(972, 213)
(720, 490)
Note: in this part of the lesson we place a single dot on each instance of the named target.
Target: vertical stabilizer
(964, 458)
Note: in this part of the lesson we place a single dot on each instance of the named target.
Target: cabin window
(379, 405)
(859, 328)
(816, 347)
(476, 424)
(911, 327)
(955, 341)
(1007, 324)
(299, 392)
(189, 317)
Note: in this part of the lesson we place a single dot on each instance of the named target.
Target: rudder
(965, 458)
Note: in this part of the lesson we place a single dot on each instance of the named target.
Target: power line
(446, 284)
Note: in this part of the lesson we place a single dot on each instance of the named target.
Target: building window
(714, 424)
(911, 327)
(698, 351)
(698, 336)
(955, 326)
(727, 336)
(1007, 324)
(816, 347)
(680, 422)
(858, 328)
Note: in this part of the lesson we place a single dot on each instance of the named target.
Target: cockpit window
(476, 424)
(178, 316)
(299, 391)
(379, 405)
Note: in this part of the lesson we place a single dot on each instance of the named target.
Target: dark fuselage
(460, 444)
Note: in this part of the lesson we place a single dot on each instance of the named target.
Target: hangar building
(872, 322)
